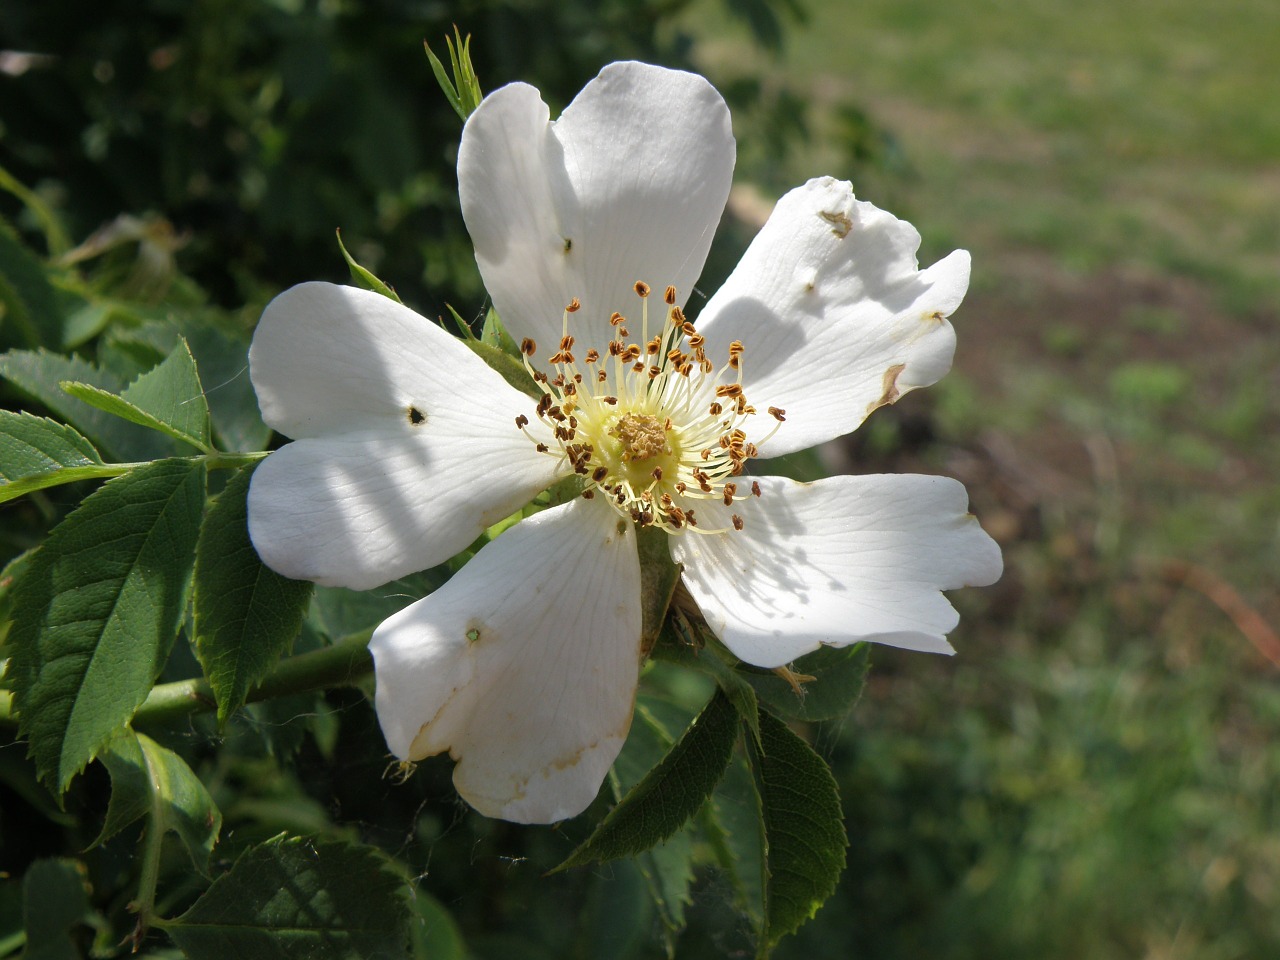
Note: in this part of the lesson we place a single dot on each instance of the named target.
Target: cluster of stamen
(653, 425)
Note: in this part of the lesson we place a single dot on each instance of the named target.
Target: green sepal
(96, 612)
(511, 369)
(364, 279)
(463, 89)
(168, 398)
(494, 333)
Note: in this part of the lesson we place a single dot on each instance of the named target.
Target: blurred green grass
(1096, 773)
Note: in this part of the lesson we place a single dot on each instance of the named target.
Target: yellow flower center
(652, 425)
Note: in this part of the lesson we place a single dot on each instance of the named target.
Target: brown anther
(637, 368)
(729, 490)
(616, 318)
(706, 454)
(736, 348)
(778, 414)
(755, 488)
(696, 340)
(737, 522)
(653, 346)
(528, 347)
(667, 502)
(544, 404)
(609, 400)
(577, 378)
(715, 409)
(574, 306)
(734, 363)
(601, 376)
(729, 390)
(632, 352)
(642, 288)
(593, 356)
(539, 377)
(670, 296)
(542, 448)
(689, 519)
(657, 473)
(653, 372)
(615, 348)
(677, 316)
(599, 473)
(588, 494)
(681, 487)
(624, 332)
(566, 344)
(688, 329)
(570, 388)
(522, 421)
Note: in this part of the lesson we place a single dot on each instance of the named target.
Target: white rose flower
(590, 231)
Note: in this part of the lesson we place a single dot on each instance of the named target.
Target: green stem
(344, 664)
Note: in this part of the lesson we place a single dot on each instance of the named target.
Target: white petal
(835, 315)
(838, 561)
(523, 666)
(328, 360)
(629, 184)
(409, 444)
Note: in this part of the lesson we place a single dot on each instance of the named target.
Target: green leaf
(433, 931)
(38, 374)
(364, 278)
(838, 673)
(55, 898)
(9, 576)
(148, 780)
(669, 794)
(734, 827)
(805, 839)
(168, 398)
(97, 609)
(222, 359)
(246, 615)
(37, 453)
(299, 898)
(31, 315)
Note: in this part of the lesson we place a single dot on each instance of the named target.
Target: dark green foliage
(246, 615)
(300, 898)
(671, 793)
(96, 612)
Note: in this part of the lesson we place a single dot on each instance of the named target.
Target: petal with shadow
(524, 666)
(405, 447)
(629, 184)
(835, 562)
(834, 313)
